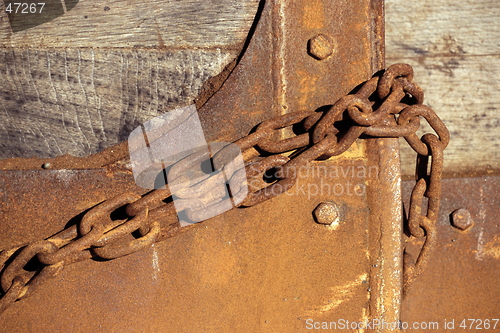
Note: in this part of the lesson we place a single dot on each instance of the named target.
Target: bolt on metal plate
(461, 219)
(327, 213)
(321, 46)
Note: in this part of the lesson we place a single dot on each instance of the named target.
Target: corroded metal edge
(385, 201)
(386, 233)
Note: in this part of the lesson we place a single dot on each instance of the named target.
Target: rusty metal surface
(52, 200)
(244, 271)
(277, 75)
(385, 230)
(262, 269)
(461, 280)
(97, 235)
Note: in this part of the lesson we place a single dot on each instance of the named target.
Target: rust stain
(216, 262)
(308, 86)
(85, 204)
(356, 151)
(313, 17)
(463, 271)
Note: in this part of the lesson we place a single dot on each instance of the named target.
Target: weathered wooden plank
(130, 23)
(83, 81)
(79, 101)
(455, 50)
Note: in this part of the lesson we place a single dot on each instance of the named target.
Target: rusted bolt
(461, 219)
(320, 47)
(327, 213)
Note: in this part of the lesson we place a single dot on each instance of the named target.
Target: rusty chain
(387, 105)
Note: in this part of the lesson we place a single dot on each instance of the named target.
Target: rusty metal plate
(268, 268)
(37, 204)
(461, 280)
(278, 75)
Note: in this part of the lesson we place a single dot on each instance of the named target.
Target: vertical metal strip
(386, 233)
(385, 200)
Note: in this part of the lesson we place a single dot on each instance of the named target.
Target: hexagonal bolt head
(321, 47)
(326, 213)
(461, 219)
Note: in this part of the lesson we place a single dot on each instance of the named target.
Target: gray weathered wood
(454, 47)
(77, 85)
(132, 23)
(79, 101)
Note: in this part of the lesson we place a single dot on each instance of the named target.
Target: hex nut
(326, 213)
(461, 219)
(321, 47)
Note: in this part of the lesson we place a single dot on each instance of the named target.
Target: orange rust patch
(314, 16)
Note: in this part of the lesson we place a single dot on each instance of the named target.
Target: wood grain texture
(132, 23)
(77, 85)
(79, 101)
(454, 48)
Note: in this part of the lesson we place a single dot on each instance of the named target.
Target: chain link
(389, 105)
